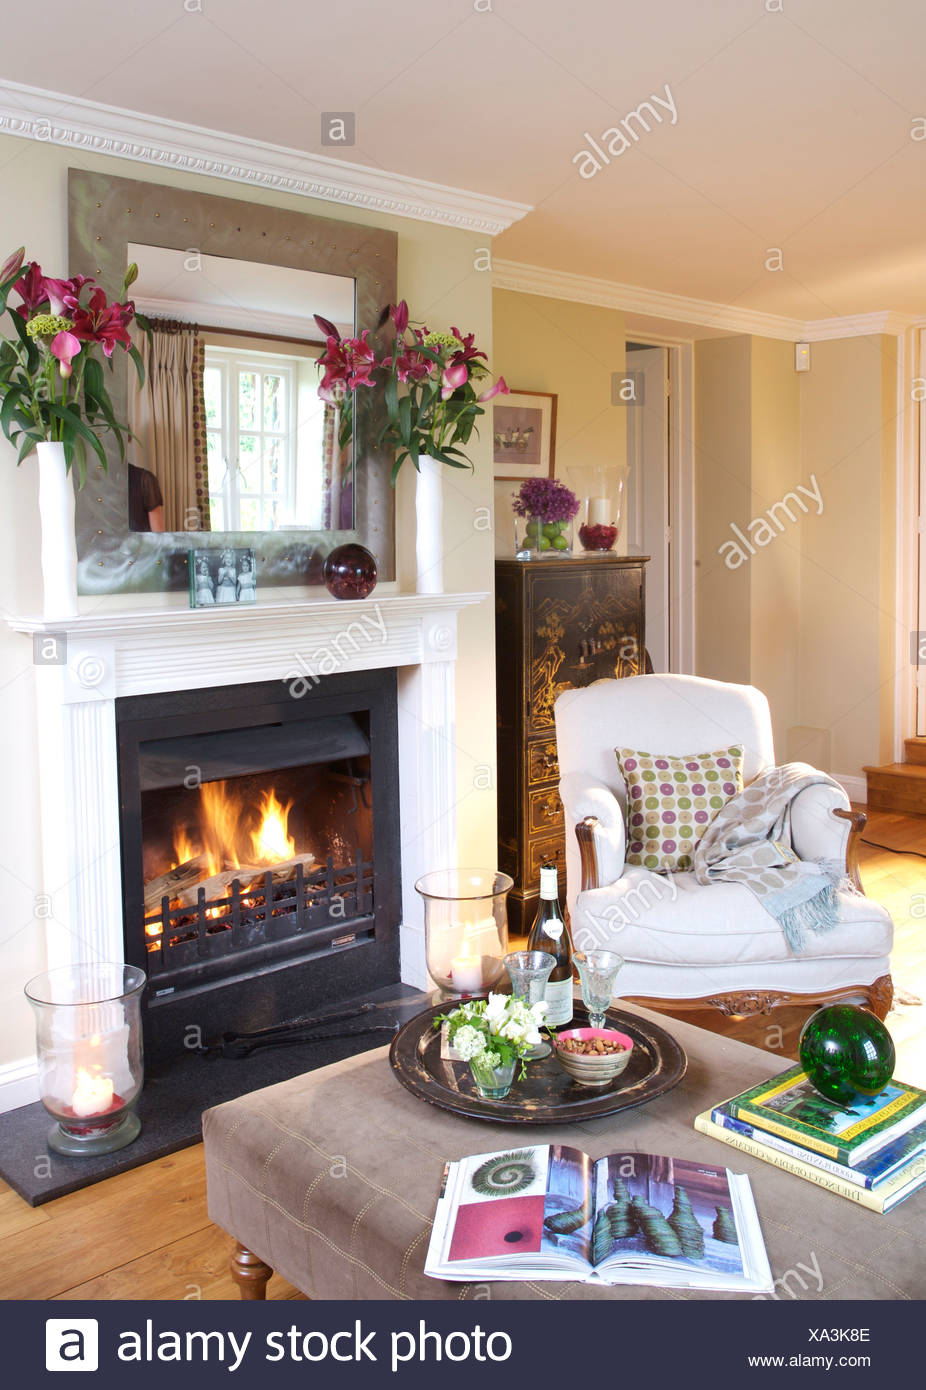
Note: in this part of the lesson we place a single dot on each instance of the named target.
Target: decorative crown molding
(93, 128)
(704, 313)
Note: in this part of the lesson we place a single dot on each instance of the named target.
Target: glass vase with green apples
(544, 509)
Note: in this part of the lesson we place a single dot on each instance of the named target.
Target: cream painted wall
(437, 276)
(572, 350)
(775, 570)
(848, 409)
(809, 618)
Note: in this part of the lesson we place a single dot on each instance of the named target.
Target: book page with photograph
(524, 1202)
(651, 1208)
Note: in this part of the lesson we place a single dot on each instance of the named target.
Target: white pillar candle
(93, 1095)
(599, 511)
(466, 974)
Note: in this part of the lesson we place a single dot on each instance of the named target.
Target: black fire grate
(321, 904)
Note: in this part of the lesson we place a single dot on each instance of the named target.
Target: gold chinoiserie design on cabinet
(559, 624)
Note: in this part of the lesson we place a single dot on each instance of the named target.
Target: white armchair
(685, 943)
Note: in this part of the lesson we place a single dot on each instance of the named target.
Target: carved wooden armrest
(588, 853)
(858, 820)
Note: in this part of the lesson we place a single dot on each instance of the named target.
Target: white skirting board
(856, 788)
(19, 1083)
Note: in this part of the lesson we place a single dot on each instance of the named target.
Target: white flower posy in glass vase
(493, 1035)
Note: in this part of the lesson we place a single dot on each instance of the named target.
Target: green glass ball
(846, 1052)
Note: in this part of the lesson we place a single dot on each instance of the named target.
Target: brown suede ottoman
(332, 1179)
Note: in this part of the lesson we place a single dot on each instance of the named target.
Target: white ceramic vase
(59, 546)
(429, 525)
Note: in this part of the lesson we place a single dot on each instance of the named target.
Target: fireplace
(259, 845)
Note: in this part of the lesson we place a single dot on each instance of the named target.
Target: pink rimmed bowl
(593, 1069)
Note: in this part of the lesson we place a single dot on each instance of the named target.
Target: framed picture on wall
(524, 435)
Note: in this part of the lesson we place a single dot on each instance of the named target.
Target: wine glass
(597, 970)
(529, 972)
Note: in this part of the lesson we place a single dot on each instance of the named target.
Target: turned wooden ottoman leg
(249, 1272)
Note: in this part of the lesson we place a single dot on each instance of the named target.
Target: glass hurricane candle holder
(465, 928)
(600, 490)
(89, 1045)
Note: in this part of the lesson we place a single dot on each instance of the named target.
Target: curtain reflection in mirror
(166, 415)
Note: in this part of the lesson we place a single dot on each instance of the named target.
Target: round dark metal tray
(547, 1095)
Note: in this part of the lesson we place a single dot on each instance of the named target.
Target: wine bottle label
(552, 928)
(558, 994)
(549, 883)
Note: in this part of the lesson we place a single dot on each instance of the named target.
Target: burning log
(247, 874)
(174, 882)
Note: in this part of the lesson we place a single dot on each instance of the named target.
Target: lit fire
(223, 839)
(272, 843)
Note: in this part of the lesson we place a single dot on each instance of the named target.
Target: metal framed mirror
(233, 449)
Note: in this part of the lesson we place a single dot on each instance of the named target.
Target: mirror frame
(106, 214)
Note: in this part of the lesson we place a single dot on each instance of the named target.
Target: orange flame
(272, 842)
(224, 837)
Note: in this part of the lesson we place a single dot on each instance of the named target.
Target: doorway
(659, 500)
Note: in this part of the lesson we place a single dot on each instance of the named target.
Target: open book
(550, 1212)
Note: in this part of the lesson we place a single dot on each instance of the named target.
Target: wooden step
(915, 751)
(897, 787)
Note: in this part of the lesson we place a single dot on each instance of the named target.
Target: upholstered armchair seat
(683, 941)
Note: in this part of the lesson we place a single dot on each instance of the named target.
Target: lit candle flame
(93, 1094)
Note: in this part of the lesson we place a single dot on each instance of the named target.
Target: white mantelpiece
(138, 652)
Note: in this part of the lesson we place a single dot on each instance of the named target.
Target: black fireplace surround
(252, 953)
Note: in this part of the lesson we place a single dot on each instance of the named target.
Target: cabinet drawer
(545, 811)
(542, 764)
(540, 852)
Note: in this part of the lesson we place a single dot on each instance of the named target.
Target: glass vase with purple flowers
(544, 509)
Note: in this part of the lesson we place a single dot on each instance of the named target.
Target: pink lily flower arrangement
(51, 383)
(429, 380)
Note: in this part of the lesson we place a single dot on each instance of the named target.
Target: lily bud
(12, 264)
(131, 275)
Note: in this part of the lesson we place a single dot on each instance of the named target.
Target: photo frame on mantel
(106, 215)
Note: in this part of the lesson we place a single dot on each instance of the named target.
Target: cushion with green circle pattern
(672, 800)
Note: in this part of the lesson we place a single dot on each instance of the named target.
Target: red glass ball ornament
(350, 572)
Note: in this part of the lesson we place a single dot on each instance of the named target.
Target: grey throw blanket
(749, 842)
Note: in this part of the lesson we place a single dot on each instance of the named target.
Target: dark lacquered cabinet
(558, 624)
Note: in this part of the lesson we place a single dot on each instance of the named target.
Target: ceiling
(793, 141)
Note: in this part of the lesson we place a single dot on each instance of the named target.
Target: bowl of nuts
(593, 1056)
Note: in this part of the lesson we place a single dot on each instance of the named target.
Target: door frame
(681, 466)
(910, 540)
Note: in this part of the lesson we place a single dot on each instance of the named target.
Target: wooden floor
(146, 1234)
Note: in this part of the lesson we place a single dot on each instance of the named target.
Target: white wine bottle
(550, 933)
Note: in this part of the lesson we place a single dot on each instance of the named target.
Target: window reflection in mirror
(231, 435)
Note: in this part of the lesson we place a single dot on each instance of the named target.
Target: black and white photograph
(220, 578)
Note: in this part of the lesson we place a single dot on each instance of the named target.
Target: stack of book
(872, 1151)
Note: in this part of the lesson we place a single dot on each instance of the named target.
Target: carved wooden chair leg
(249, 1273)
(881, 996)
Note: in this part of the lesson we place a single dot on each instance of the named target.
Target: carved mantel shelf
(137, 651)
